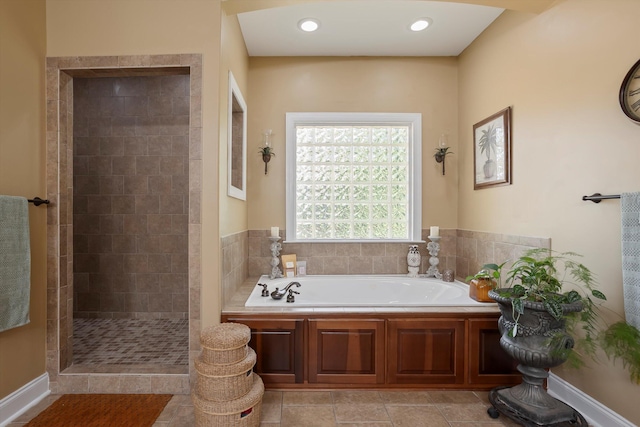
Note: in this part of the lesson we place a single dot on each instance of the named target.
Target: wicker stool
(224, 344)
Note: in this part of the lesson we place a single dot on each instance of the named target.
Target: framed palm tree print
(492, 150)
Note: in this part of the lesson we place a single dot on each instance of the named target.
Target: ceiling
(365, 28)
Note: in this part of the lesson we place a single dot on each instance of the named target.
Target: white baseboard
(596, 414)
(18, 402)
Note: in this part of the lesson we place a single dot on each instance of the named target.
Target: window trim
(413, 120)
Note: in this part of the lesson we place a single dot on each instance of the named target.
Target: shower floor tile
(137, 343)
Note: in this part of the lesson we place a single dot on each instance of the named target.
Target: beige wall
(22, 173)
(414, 85)
(561, 71)
(234, 58)
(147, 27)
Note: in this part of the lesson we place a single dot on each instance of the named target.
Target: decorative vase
(489, 168)
(479, 289)
(536, 351)
(413, 260)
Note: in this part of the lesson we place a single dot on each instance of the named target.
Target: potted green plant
(549, 314)
(483, 281)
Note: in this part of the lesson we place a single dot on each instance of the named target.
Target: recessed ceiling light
(421, 24)
(308, 24)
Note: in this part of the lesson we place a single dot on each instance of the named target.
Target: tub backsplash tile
(347, 258)
(463, 251)
(477, 248)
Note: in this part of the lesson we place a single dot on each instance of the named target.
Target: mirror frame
(234, 93)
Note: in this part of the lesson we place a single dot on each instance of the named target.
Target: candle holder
(434, 247)
(442, 150)
(267, 149)
(275, 261)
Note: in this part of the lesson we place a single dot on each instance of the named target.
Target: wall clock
(630, 93)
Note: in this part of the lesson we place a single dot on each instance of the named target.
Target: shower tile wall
(131, 195)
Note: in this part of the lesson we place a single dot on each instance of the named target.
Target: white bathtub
(364, 290)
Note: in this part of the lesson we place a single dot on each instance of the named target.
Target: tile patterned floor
(343, 409)
(130, 342)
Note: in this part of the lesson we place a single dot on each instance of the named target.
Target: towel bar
(597, 197)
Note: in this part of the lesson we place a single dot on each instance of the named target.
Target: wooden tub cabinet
(378, 350)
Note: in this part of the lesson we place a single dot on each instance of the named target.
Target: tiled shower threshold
(126, 369)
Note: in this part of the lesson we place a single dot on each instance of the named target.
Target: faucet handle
(265, 291)
(290, 297)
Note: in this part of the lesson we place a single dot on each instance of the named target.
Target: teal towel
(630, 210)
(15, 262)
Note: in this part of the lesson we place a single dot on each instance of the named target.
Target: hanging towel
(15, 262)
(630, 210)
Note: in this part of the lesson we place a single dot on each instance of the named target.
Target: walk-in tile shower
(130, 220)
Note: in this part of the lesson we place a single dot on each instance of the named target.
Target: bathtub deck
(235, 305)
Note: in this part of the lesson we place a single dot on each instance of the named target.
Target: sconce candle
(275, 232)
(434, 231)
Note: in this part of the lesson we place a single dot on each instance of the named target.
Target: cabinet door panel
(426, 351)
(346, 351)
(279, 346)
(488, 362)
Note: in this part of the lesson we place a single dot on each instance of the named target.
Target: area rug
(102, 410)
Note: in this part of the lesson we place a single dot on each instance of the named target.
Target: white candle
(275, 232)
(434, 231)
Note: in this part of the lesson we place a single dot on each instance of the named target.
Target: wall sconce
(266, 150)
(442, 150)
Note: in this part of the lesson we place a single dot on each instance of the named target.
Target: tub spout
(278, 294)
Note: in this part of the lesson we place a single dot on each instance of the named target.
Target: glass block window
(353, 176)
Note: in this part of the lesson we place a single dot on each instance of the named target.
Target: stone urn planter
(540, 342)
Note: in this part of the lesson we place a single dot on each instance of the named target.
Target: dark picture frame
(492, 150)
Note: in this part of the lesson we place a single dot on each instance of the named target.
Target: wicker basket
(221, 383)
(224, 344)
(242, 412)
